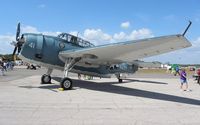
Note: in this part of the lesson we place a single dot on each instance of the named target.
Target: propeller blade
(14, 50)
(13, 55)
(19, 49)
(19, 42)
(18, 32)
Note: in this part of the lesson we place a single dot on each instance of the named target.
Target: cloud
(125, 25)
(196, 43)
(195, 46)
(5, 41)
(120, 36)
(29, 29)
(97, 36)
(140, 34)
(135, 34)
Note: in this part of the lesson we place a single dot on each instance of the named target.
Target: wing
(127, 51)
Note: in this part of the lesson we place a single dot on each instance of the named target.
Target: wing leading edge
(128, 51)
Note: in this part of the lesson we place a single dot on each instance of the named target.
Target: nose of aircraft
(19, 42)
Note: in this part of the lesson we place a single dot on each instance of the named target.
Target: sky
(105, 21)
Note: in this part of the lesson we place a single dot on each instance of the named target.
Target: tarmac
(142, 99)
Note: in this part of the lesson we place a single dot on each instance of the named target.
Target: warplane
(70, 53)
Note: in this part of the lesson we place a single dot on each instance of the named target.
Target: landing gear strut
(120, 80)
(66, 82)
(46, 78)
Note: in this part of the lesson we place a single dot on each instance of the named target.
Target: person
(79, 76)
(177, 70)
(183, 79)
(198, 76)
(1, 71)
(1, 68)
(4, 66)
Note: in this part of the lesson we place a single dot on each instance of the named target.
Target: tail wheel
(46, 79)
(120, 80)
(66, 84)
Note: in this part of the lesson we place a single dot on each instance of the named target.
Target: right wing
(127, 51)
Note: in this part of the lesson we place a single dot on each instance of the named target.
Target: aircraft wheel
(46, 79)
(66, 84)
(120, 80)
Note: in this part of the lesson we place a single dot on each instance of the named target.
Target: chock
(60, 89)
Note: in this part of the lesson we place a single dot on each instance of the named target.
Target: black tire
(46, 79)
(120, 80)
(66, 84)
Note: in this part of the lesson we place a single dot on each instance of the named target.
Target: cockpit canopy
(75, 40)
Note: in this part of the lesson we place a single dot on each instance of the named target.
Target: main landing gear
(120, 80)
(119, 77)
(46, 78)
(66, 82)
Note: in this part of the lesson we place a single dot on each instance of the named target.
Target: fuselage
(44, 50)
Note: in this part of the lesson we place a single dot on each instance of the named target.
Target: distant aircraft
(73, 54)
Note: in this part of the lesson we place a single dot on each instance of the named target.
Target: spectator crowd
(5, 66)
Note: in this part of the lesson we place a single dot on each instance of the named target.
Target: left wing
(127, 51)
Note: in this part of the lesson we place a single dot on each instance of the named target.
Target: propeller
(18, 43)
(18, 32)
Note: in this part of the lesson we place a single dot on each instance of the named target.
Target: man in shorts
(183, 79)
